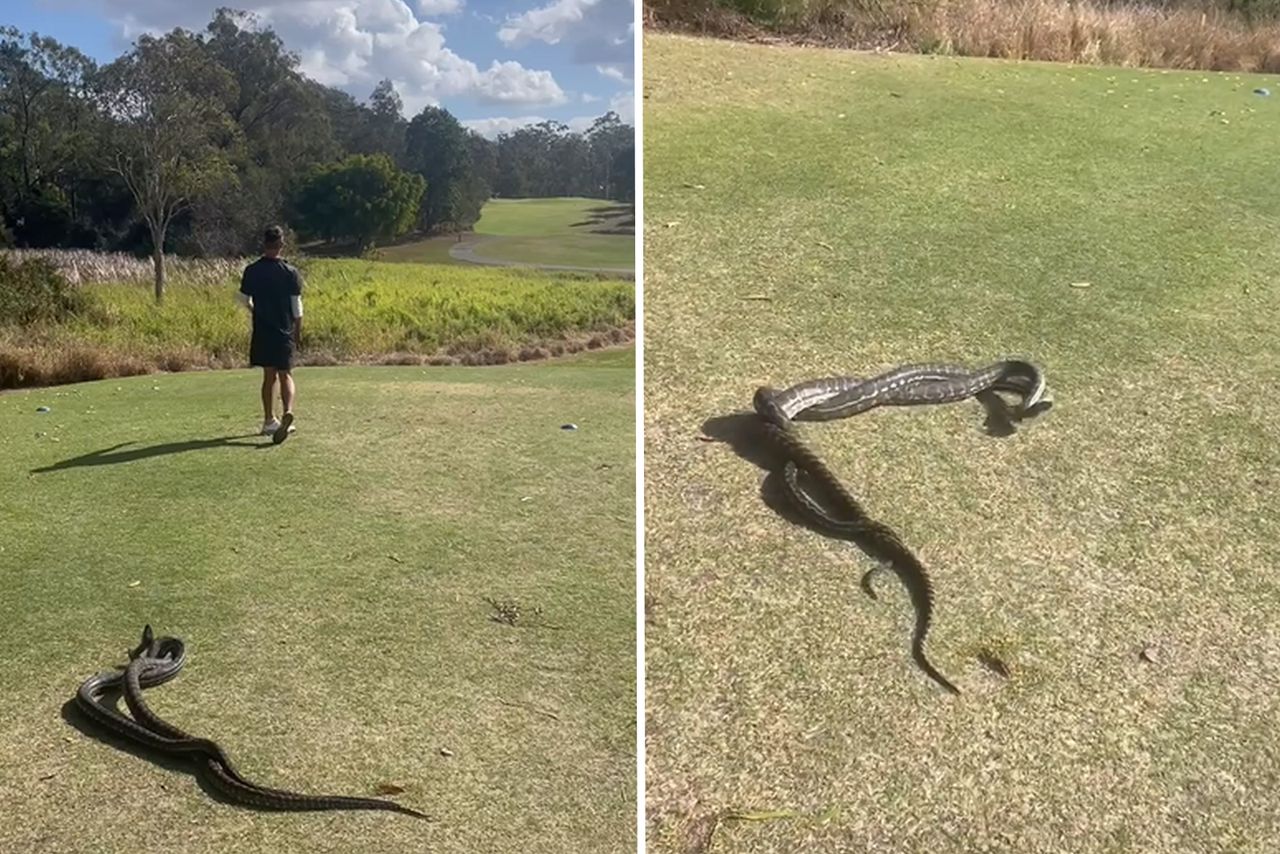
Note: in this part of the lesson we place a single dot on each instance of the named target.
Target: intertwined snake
(157, 660)
(840, 397)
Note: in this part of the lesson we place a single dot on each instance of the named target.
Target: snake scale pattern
(843, 516)
(156, 661)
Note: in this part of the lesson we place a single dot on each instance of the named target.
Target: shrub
(33, 291)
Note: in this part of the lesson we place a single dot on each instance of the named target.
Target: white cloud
(613, 72)
(439, 7)
(599, 31)
(355, 43)
(546, 23)
(511, 83)
(490, 128)
(624, 104)
(588, 98)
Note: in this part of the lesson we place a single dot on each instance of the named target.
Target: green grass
(538, 217)
(603, 251)
(554, 232)
(354, 310)
(951, 222)
(430, 250)
(330, 594)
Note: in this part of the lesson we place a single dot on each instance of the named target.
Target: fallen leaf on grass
(135, 583)
(671, 224)
(826, 245)
(994, 663)
(758, 297)
(760, 815)
(1082, 284)
(694, 186)
(390, 789)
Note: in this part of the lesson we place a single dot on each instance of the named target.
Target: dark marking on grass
(113, 455)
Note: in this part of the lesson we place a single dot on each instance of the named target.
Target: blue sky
(495, 64)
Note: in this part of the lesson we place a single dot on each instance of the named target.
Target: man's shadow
(114, 454)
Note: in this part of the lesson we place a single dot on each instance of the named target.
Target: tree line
(191, 141)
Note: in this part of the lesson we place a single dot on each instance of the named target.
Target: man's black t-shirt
(272, 282)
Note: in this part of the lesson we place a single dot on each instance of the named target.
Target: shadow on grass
(113, 455)
(78, 720)
(745, 434)
(72, 714)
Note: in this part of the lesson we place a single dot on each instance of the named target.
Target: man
(271, 289)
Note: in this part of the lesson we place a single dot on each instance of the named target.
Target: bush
(363, 198)
(33, 291)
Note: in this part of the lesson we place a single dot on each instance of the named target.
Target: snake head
(766, 406)
(148, 640)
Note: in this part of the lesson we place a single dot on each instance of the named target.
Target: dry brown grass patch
(1086, 32)
(31, 361)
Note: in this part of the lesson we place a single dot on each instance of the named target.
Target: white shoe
(283, 431)
(269, 427)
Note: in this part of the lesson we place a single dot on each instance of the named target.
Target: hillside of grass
(333, 595)
(568, 233)
(813, 213)
(356, 311)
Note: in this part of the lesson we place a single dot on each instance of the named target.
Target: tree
(623, 175)
(386, 125)
(436, 147)
(173, 135)
(484, 158)
(281, 114)
(363, 198)
(607, 137)
(286, 130)
(45, 130)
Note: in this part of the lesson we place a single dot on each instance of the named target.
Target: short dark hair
(273, 234)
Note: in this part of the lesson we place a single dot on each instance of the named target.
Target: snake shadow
(744, 433)
(78, 720)
(114, 455)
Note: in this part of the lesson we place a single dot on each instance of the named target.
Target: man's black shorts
(271, 351)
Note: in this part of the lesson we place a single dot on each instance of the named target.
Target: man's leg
(268, 391)
(286, 397)
(286, 390)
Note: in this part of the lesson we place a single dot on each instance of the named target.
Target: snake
(157, 660)
(830, 398)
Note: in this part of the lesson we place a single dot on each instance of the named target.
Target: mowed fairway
(558, 232)
(331, 593)
(545, 232)
(813, 213)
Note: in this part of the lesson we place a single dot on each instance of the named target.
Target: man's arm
(242, 295)
(295, 303)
